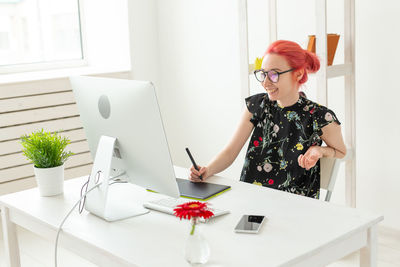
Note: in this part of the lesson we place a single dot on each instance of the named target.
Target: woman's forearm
(330, 152)
(222, 161)
(226, 157)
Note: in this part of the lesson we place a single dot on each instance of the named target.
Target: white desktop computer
(125, 133)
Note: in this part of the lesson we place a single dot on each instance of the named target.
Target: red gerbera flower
(193, 209)
(256, 143)
(260, 138)
(270, 181)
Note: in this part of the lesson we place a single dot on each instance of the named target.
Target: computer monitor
(124, 130)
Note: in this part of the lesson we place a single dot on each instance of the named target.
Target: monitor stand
(120, 201)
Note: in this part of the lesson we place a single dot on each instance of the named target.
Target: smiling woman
(287, 129)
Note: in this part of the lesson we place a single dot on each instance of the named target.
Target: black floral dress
(279, 137)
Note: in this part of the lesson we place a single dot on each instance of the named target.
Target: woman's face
(286, 88)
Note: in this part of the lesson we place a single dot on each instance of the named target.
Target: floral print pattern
(280, 135)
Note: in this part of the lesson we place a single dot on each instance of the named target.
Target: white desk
(299, 232)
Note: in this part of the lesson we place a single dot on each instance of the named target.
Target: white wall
(105, 28)
(198, 81)
(378, 93)
(199, 76)
(143, 39)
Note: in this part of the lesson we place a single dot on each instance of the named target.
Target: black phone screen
(249, 223)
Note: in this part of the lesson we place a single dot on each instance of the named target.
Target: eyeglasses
(272, 75)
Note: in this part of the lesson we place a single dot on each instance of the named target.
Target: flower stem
(193, 227)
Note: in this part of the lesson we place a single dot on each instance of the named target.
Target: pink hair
(297, 57)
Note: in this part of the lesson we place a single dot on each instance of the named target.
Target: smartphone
(250, 224)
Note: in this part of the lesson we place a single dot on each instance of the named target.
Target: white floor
(38, 252)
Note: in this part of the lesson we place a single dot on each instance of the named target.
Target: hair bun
(312, 62)
(296, 57)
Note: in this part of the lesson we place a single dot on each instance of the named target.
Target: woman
(287, 129)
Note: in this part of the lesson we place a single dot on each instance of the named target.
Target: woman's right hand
(194, 175)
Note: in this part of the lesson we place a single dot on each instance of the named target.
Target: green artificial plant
(45, 149)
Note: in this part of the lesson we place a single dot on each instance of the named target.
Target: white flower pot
(50, 181)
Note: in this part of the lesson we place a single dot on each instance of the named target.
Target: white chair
(329, 172)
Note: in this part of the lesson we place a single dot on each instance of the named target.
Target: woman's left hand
(310, 158)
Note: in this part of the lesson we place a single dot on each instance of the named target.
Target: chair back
(329, 171)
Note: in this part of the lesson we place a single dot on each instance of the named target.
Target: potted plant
(47, 153)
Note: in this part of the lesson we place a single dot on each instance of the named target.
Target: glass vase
(197, 250)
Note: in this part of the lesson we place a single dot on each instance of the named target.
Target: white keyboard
(167, 205)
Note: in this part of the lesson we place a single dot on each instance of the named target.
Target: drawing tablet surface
(200, 191)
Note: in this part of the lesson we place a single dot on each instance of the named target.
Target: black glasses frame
(267, 72)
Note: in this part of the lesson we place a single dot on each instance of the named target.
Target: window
(39, 31)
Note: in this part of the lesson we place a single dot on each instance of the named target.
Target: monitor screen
(128, 111)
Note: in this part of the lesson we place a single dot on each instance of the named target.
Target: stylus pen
(193, 162)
